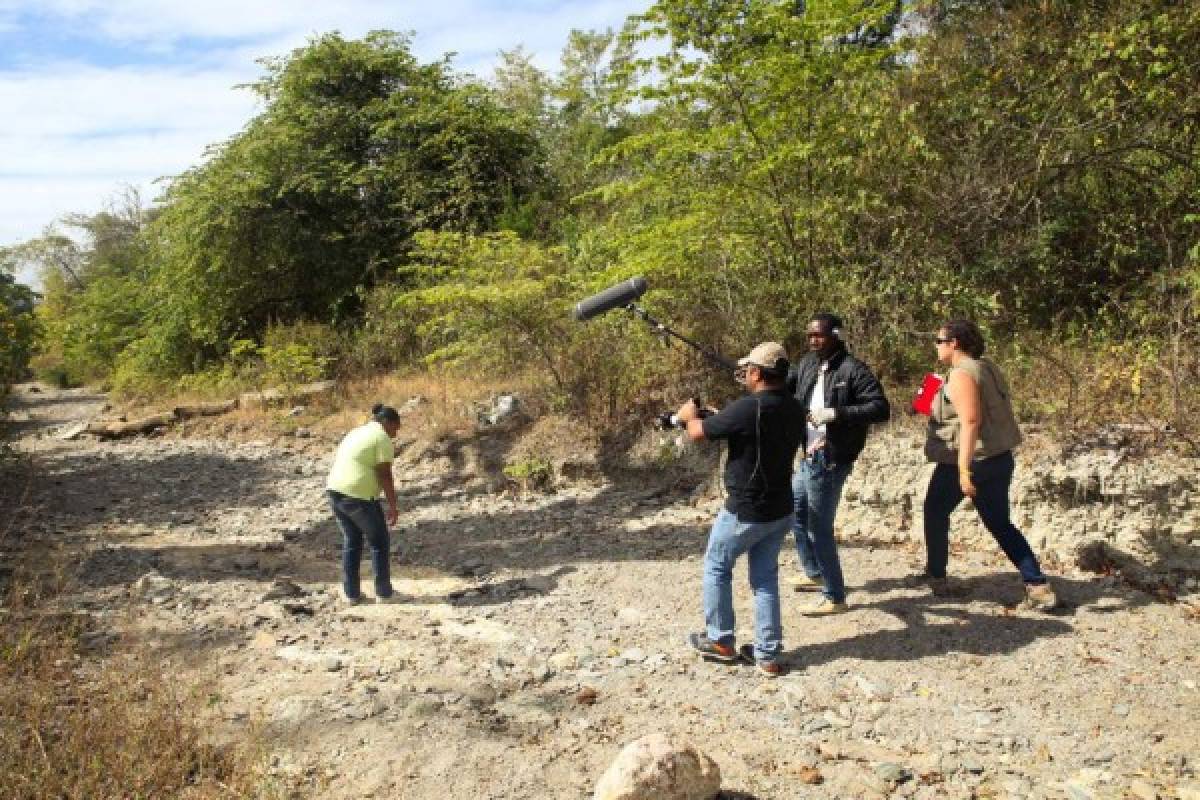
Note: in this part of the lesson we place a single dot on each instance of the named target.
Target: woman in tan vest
(971, 436)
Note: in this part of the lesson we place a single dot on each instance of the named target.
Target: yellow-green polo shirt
(361, 450)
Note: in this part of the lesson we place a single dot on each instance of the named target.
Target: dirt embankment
(544, 630)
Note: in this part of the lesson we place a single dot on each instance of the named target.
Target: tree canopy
(1034, 165)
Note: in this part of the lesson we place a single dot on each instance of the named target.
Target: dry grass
(73, 728)
(80, 724)
(448, 406)
(1127, 392)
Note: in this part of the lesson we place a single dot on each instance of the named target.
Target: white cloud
(76, 133)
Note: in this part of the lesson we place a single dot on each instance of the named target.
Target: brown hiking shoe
(769, 667)
(1039, 597)
(712, 651)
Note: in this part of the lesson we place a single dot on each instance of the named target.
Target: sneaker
(769, 667)
(1039, 597)
(825, 607)
(805, 583)
(353, 601)
(712, 651)
(394, 597)
(939, 587)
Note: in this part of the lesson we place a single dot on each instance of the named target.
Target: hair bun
(375, 409)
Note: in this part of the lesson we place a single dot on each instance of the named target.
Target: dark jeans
(992, 478)
(359, 519)
(817, 489)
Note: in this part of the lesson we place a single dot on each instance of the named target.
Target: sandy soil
(541, 633)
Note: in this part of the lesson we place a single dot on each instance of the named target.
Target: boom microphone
(617, 296)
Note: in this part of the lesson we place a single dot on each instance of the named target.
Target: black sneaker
(769, 667)
(939, 587)
(712, 651)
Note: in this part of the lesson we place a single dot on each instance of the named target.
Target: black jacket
(853, 391)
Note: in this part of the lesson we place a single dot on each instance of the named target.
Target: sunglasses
(940, 340)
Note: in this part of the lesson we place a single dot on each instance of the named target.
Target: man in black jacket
(842, 398)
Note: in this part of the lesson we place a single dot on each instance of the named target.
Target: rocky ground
(543, 631)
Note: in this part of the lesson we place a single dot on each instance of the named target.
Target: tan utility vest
(998, 431)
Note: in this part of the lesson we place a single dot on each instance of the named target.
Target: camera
(667, 419)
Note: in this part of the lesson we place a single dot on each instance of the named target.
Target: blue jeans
(760, 541)
(992, 477)
(817, 489)
(359, 519)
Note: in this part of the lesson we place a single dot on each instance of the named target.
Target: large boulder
(660, 767)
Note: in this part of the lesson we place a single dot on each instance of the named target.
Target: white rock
(634, 655)
(660, 767)
(152, 584)
(1143, 790)
(565, 660)
(630, 617)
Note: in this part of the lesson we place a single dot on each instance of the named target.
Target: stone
(872, 691)
(71, 432)
(1143, 790)
(892, 773)
(539, 583)
(810, 775)
(153, 585)
(630, 617)
(506, 409)
(660, 767)
(1077, 792)
(564, 661)
(282, 589)
(634, 655)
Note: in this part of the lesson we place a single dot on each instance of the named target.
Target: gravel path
(542, 633)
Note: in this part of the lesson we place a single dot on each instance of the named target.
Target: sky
(99, 96)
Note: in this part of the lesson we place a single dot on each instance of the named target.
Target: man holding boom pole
(764, 429)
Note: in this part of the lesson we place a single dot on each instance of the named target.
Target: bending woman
(971, 436)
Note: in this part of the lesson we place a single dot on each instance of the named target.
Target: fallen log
(278, 395)
(205, 409)
(115, 429)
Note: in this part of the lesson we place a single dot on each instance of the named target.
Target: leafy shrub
(530, 473)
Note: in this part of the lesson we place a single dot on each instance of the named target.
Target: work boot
(824, 608)
(766, 666)
(1039, 597)
(806, 583)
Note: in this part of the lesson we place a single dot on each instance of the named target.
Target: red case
(923, 402)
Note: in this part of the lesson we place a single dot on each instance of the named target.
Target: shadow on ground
(935, 626)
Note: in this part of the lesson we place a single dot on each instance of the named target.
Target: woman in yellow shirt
(362, 466)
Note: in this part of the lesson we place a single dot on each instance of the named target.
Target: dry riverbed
(542, 632)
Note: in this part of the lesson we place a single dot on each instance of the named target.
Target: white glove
(822, 416)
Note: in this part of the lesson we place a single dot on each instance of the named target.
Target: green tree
(18, 326)
(1058, 158)
(359, 147)
(741, 192)
(94, 270)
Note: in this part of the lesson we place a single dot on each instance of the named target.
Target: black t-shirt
(764, 431)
